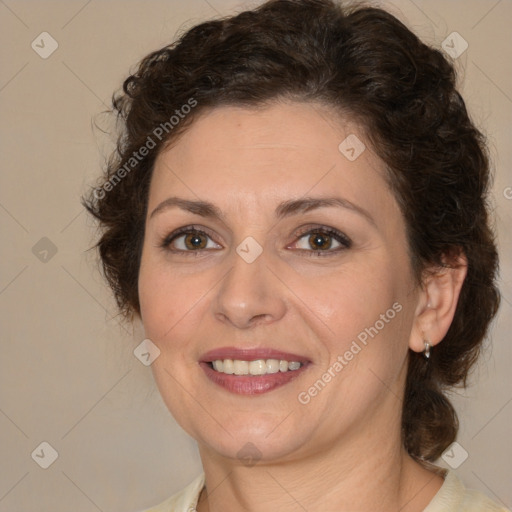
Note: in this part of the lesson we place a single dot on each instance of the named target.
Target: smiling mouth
(252, 371)
(254, 368)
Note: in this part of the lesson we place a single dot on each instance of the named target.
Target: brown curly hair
(362, 62)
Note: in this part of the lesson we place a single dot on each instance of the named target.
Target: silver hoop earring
(426, 352)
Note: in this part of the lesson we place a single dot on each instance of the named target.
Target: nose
(250, 294)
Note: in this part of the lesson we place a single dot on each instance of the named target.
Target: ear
(437, 301)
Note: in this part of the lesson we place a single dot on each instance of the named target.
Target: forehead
(254, 158)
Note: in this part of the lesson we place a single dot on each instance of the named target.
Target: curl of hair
(365, 64)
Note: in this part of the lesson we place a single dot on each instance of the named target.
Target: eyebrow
(284, 209)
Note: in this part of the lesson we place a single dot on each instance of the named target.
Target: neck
(368, 470)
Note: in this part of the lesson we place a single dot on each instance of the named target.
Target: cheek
(369, 323)
(168, 305)
(162, 298)
(367, 344)
(350, 301)
(173, 306)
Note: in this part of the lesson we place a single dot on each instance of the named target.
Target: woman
(297, 213)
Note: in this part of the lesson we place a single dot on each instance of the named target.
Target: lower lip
(250, 384)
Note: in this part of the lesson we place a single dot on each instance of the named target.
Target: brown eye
(322, 241)
(193, 241)
(189, 240)
(319, 241)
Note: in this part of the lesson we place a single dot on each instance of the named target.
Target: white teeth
(241, 367)
(272, 365)
(258, 367)
(229, 367)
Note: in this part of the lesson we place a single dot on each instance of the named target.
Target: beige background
(67, 372)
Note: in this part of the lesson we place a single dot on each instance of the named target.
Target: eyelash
(345, 242)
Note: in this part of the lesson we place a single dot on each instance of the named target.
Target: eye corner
(341, 238)
(166, 241)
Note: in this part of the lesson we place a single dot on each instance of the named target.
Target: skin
(341, 451)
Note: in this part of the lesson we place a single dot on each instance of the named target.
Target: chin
(264, 436)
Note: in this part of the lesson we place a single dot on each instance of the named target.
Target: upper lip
(250, 354)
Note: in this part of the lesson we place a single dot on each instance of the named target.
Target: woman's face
(267, 241)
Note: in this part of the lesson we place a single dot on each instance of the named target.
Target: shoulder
(184, 500)
(453, 496)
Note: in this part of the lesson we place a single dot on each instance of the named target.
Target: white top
(451, 497)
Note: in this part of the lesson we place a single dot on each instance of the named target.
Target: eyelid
(339, 236)
(167, 240)
(320, 228)
(344, 241)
